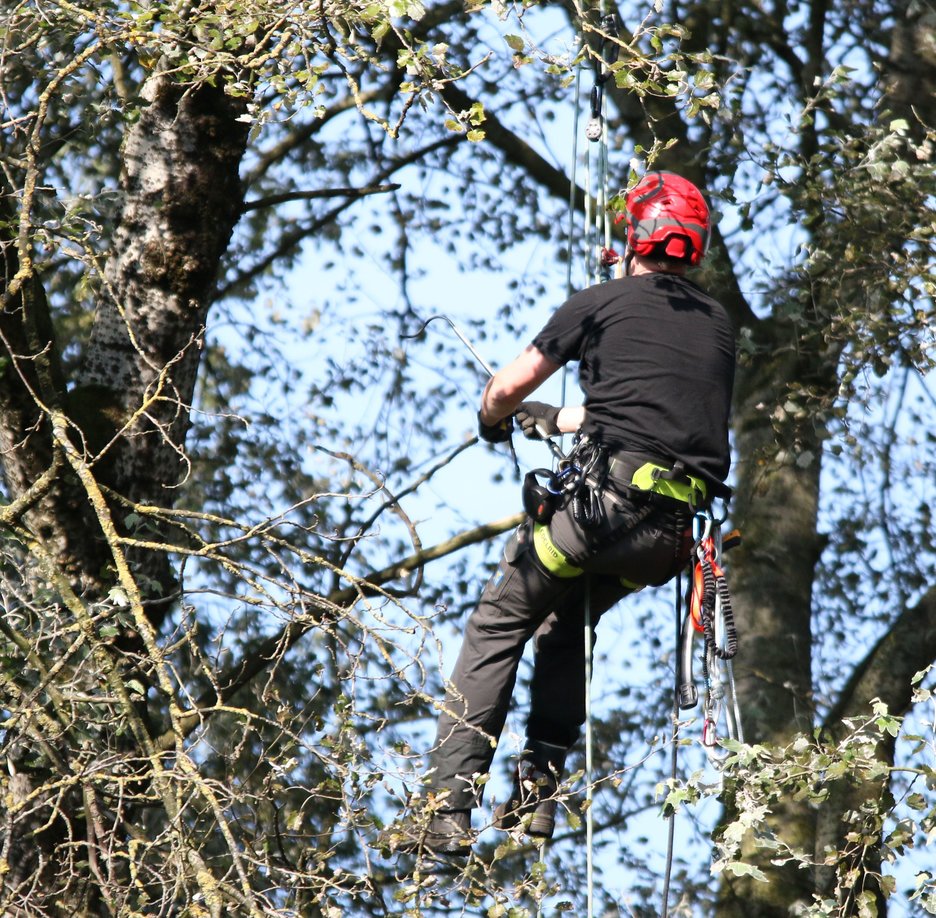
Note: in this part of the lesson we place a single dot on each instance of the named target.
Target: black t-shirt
(657, 360)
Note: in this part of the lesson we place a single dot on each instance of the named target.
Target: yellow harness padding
(550, 557)
(558, 564)
(693, 491)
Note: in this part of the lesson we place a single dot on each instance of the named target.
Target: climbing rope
(710, 614)
(589, 762)
(710, 605)
(598, 225)
(674, 758)
(597, 240)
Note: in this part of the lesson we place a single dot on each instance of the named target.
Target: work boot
(533, 799)
(436, 833)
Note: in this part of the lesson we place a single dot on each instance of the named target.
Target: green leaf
(740, 869)
(867, 905)
(118, 596)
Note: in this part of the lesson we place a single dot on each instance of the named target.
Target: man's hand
(495, 433)
(537, 420)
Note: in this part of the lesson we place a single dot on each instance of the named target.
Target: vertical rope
(602, 233)
(588, 246)
(589, 818)
(570, 233)
(606, 196)
(674, 739)
(596, 228)
(570, 243)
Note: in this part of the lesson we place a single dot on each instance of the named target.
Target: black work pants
(645, 544)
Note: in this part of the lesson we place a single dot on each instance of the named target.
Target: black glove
(537, 420)
(495, 433)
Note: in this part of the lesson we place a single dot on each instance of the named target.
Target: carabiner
(701, 530)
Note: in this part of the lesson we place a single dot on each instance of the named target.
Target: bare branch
(352, 193)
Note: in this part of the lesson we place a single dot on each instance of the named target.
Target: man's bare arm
(511, 385)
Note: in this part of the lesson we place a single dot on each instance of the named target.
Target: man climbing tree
(221, 473)
(656, 356)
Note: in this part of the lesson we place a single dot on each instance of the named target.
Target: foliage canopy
(224, 625)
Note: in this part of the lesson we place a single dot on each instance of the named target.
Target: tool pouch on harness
(542, 492)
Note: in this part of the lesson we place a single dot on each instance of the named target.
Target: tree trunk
(182, 199)
(126, 422)
(772, 574)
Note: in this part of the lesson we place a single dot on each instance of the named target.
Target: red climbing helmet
(667, 216)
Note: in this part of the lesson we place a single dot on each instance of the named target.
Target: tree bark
(772, 573)
(127, 418)
(182, 198)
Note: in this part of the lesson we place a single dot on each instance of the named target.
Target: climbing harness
(591, 481)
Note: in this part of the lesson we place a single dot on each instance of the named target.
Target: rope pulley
(608, 52)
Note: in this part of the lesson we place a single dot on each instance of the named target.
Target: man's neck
(641, 265)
